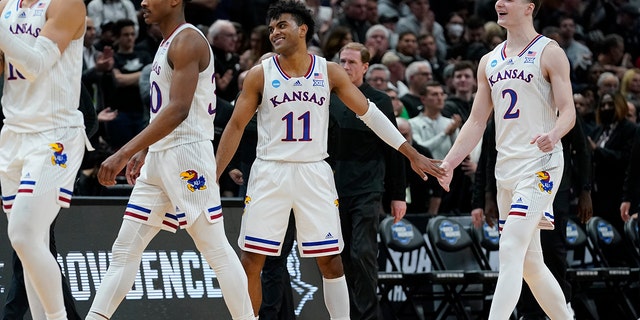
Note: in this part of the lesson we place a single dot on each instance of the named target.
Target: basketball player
(290, 92)
(525, 80)
(172, 166)
(42, 142)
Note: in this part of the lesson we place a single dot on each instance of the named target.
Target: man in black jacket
(365, 168)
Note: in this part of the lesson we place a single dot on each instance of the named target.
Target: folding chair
(632, 234)
(487, 238)
(428, 293)
(454, 251)
(619, 269)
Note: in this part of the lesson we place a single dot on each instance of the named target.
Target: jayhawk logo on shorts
(193, 181)
(58, 158)
(336, 203)
(545, 185)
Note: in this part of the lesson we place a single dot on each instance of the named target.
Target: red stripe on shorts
(169, 224)
(135, 215)
(253, 246)
(25, 190)
(516, 213)
(216, 216)
(320, 250)
(63, 199)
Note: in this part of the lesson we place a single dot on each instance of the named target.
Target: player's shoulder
(254, 80)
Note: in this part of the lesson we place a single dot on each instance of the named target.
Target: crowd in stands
(423, 55)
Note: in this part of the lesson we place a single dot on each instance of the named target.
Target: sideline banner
(173, 282)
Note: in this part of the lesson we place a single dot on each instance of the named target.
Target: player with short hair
(172, 165)
(290, 93)
(525, 81)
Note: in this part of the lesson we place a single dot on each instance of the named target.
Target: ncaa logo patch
(494, 63)
(275, 83)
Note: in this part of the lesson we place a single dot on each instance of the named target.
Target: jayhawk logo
(193, 181)
(545, 185)
(336, 203)
(58, 158)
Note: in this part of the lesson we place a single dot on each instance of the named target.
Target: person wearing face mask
(610, 144)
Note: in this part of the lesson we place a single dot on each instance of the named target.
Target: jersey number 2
(513, 98)
(305, 118)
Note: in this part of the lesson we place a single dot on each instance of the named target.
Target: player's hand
(585, 206)
(398, 210)
(445, 178)
(423, 165)
(477, 217)
(624, 210)
(134, 165)
(545, 142)
(236, 176)
(490, 209)
(110, 168)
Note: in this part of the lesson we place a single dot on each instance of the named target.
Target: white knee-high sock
(211, 241)
(132, 239)
(545, 287)
(28, 231)
(336, 297)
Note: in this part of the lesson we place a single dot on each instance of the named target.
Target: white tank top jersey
(523, 105)
(51, 100)
(293, 116)
(198, 125)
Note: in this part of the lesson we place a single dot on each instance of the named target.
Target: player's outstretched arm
(473, 128)
(245, 107)
(59, 30)
(378, 122)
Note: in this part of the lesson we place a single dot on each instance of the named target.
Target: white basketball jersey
(523, 105)
(198, 125)
(293, 116)
(52, 99)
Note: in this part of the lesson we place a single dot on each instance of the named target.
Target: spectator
(464, 85)
(96, 66)
(407, 48)
(377, 42)
(419, 192)
(128, 64)
(377, 76)
(428, 50)
(223, 37)
(337, 38)
(607, 82)
(397, 72)
(434, 131)
(418, 74)
(630, 85)
(259, 44)
(611, 145)
(421, 20)
(612, 55)
(103, 11)
(579, 55)
(398, 108)
(372, 12)
(354, 18)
